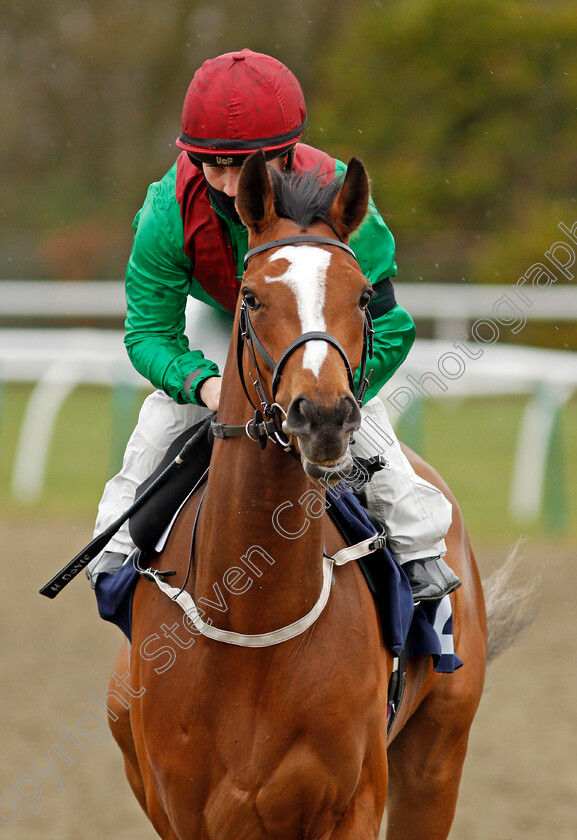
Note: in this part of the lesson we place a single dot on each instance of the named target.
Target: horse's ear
(350, 206)
(254, 199)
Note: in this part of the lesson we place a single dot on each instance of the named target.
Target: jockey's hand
(210, 392)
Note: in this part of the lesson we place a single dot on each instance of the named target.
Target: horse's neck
(258, 552)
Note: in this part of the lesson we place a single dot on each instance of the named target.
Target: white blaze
(306, 276)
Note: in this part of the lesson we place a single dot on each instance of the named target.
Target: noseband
(259, 428)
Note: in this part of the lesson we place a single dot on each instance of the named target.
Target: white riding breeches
(160, 421)
(416, 516)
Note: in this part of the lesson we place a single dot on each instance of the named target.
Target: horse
(289, 739)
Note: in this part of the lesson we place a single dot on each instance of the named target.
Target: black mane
(302, 196)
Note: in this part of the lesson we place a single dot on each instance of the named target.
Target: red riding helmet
(238, 103)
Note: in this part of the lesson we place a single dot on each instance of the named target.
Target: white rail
(449, 305)
(549, 377)
(63, 299)
(59, 359)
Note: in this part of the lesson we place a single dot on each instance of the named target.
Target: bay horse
(248, 742)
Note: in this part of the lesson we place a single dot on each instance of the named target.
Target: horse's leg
(426, 760)
(122, 730)
(362, 820)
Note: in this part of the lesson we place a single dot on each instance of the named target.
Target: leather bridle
(268, 420)
(267, 425)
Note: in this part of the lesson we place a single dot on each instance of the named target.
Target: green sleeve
(158, 281)
(374, 247)
(394, 337)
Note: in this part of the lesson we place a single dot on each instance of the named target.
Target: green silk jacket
(160, 277)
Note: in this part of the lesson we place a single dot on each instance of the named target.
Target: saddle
(147, 525)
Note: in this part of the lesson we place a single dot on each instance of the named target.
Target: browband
(296, 240)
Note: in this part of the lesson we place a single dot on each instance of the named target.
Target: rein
(259, 428)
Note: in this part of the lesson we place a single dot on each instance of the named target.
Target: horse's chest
(276, 766)
(267, 745)
(277, 738)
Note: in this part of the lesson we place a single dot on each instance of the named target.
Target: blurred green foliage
(463, 112)
(91, 94)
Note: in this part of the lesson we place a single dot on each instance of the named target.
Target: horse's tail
(510, 608)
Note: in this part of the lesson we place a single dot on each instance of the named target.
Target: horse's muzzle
(329, 475)
(323, 432)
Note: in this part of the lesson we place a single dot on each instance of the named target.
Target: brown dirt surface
(520, 778)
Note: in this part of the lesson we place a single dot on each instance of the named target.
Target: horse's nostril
(306, 417)
(348, 414)
(300, 416)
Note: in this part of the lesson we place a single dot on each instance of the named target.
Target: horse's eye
(251, 301)
(365, 298)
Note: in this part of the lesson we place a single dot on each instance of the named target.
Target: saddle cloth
(423, 631)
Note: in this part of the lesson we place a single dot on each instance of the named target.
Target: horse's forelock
(303, 197)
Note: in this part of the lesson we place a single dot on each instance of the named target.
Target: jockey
(189, 240)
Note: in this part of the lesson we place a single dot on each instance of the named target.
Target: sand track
(520, 777)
